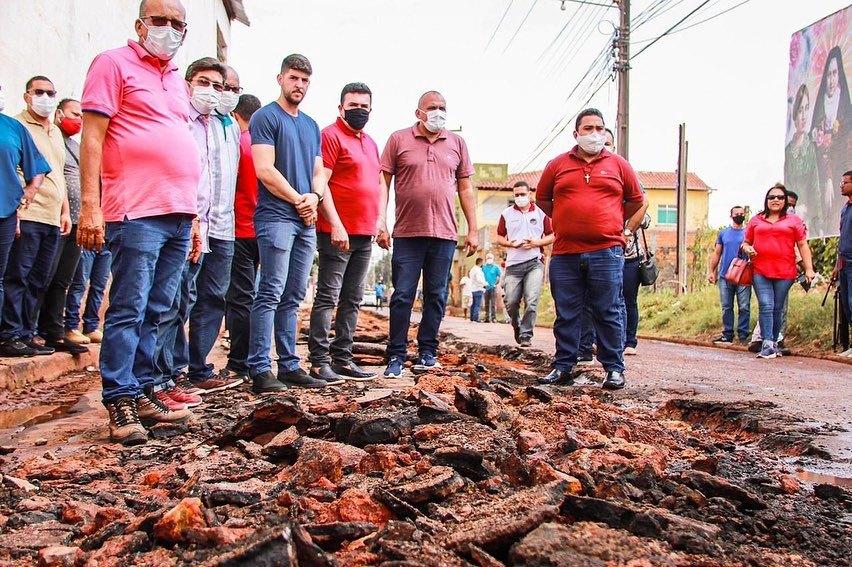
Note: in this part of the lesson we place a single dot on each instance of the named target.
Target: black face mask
(739, 219)
(356, 117)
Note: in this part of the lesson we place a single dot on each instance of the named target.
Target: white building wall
(59, 39)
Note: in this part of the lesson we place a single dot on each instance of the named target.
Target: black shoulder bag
(648, 270)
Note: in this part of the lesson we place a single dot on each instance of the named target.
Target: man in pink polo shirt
(431, 166)
(139, 173)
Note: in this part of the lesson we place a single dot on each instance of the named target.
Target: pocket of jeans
(278, 235)
(616, 252)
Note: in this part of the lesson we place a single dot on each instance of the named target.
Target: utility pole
(622, 68)
(681, 208)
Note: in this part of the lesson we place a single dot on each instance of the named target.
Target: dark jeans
(433, 257)
(27, 277)
(148, 255)
(239, 299)
(742, 293)
(7, 238)
(92, 270)
(490, 298)
(629, 308)
(475, 305)
(205, 318)
(340, 282)
(771, 297)
(630, 303)
(523, 281)
(286, 255)
(172, 355)
(594, 277)
(51, 317)
(845, 287)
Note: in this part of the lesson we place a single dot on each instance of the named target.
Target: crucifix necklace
(587, 176)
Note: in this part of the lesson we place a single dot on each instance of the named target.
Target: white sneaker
(630, 351)
(587, 362)
(847, 353)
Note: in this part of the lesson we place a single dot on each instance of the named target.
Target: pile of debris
(472, 465)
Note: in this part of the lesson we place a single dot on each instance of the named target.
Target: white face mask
(2, 100)
(205, 99)
(523, 201)
(162, 41)
(489, 260)
(591, 143)
(227, 102)
(44, 105)
(435, 120)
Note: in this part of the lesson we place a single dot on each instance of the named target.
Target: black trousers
(239, 299)
(51, 318)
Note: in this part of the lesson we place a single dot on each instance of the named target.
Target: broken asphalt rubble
(472, 465)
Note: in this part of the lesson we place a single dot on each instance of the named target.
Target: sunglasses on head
(40, 92)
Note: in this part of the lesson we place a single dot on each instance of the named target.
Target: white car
(369, 298)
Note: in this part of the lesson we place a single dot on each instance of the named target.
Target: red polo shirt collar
(344, 127)
(576, 154)
(145, 56)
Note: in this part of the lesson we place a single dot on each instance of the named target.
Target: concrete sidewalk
(17, 373)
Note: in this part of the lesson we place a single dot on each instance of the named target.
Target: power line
(573, 45)
(668, 31)
(656, 15)
(559, 53)
(559, 35)
(713, 16)
(647, 13)
(500, 23)
(532, 6)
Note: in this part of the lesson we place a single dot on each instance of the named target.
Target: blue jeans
(172, 356)
(771, 297)
(523, 281)
(93, 270)
(205, 318)
(630, 302)
(286, 254)
(845, 288)
(596, 278)
(475, 305)
(727, 292)
(433, 257)
(27, 276)
(148, 255)
(7, 238)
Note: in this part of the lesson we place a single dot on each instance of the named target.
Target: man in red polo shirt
(345, 229)
(588, 192)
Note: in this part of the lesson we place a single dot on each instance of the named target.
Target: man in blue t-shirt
(291, 184)
(843, 269)
(727, 248)
(18, 152)
(492, 273)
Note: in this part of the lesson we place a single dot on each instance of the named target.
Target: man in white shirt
(524, 230)
(477, 289)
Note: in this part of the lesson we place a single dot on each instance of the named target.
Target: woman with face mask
(770, 239)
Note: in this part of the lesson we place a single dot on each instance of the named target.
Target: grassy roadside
(697, 316)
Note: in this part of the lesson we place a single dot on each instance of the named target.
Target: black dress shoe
(558, 377)
(614, 381)
(61, 345)
(16, 348)
(352, 371)
(301, 379)
(325, 373)
(265, 383)
(40, 349)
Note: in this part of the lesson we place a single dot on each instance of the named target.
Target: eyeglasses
(776, 198)
(41, 92)
(162, 21)
(202, 82)
(233, 89)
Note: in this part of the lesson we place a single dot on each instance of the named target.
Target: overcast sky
(725, 78)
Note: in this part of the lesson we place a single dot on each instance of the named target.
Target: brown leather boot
(151, 410)
(124, 424)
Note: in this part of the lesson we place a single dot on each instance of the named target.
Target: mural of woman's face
(833, 78)
(801, 118)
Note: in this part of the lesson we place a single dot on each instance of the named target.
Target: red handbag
(740, 272)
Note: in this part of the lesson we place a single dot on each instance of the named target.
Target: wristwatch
(319, 197)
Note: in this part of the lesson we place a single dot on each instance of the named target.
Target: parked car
(369, 299)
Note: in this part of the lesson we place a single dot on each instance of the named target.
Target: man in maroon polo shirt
(431, 167)
(346, 226)
(588, 192)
